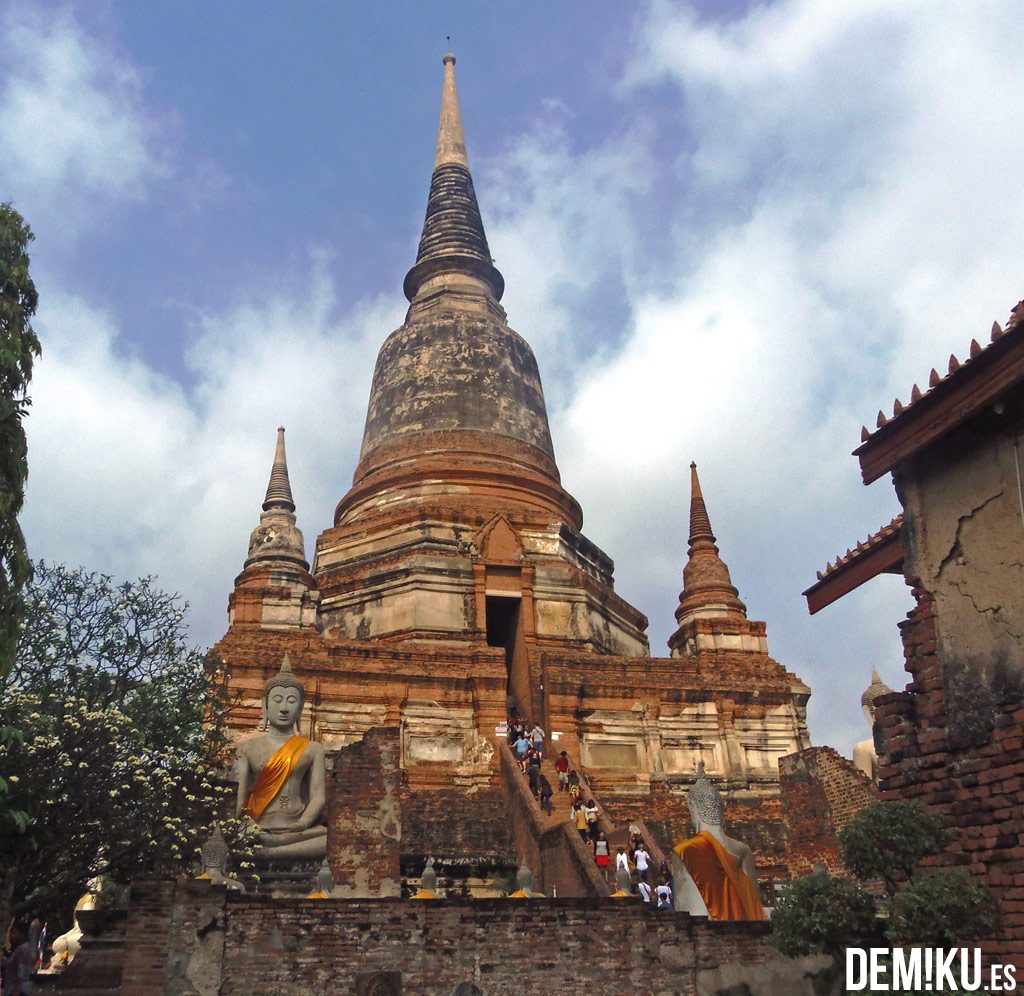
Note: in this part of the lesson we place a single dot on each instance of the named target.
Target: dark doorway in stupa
(502, 622)
(505, 629)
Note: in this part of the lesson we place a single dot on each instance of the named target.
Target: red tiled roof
(880, 553)
(940, 388)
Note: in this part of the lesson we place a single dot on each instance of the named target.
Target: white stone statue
(282, 777)
(67, 945)
(864, 755)
(713, 874)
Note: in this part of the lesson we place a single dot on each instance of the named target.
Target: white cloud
(130, 474)
(858, 222)
(73, 125)
(791, 217)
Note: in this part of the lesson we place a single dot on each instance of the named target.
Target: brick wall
(456, 822)
(147, 956)
(979, 787)
(821, 793)
(263, 945)
(364, 815)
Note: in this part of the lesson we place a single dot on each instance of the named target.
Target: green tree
(18, 347)
(942, 909)
(122, 729)
(887, 840)
(821, 914)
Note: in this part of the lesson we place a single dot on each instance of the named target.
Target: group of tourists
(655, 891)
(527, 744)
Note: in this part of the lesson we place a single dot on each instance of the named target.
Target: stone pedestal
(96, 970)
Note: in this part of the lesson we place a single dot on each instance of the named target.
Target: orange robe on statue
(725, 888)
(274, 774)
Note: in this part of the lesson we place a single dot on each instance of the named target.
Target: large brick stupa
(455, 582)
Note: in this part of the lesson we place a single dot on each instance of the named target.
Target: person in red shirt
(562, 767)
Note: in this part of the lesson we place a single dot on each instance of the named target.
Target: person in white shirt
(645, 891)
(643, 862)
(590, 809)
(664, 896)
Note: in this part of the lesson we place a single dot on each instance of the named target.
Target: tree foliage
(821, 914)
(121, 728)
(18, 347)
(887, 840)
(942, 909)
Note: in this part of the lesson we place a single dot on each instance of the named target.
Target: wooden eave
(883, 553)
(969, 389)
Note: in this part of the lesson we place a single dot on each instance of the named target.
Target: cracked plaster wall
(965, 537)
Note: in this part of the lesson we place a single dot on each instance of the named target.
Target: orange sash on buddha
(273, 775)
(725, 888)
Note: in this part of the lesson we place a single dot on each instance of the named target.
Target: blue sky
(731, 235)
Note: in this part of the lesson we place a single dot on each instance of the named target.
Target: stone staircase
(561, 863)
(530, 832)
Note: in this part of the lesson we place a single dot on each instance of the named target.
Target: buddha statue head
(213, 856)
(875, 690)
(283, 696)
(704, 802)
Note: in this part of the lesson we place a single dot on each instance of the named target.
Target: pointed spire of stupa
(279, 490)
(700, 524)
(451, 143)
(453, 239)
(277, 542)
(708, 590)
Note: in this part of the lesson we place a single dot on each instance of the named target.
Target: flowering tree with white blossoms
(120, 740)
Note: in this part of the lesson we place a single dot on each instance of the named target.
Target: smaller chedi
(864, 755)
(282, 777)
(714, 875)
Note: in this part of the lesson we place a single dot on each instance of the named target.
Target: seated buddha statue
(282, 777)
(864, 755)
(713, 874)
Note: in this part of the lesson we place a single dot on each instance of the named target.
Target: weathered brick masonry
(821, 792)
(954, 739)
(979, 787)
(364, 816)
(262, 946)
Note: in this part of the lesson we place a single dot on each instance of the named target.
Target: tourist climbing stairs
(562, 818)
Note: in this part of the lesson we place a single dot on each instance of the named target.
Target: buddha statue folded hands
(282, 777)
(714, 874)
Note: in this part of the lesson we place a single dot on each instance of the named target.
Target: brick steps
(562, 819)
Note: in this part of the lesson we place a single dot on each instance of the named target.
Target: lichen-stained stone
(455, 581)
